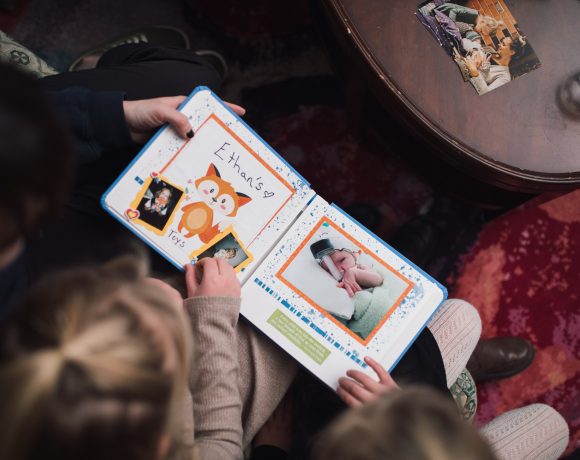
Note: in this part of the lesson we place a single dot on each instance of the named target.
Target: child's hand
(360, 388)
(349, 282)
(216, 278)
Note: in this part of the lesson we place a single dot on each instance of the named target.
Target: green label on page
(298, 336)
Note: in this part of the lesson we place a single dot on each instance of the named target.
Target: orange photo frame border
(141, 193)
(320, 223)
(214, 117)
(216, 239)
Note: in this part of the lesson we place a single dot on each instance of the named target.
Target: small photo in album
(483, 38)
(158, 203)
(344, 280)
(227, 247)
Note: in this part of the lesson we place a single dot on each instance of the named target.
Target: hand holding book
(212, 277)
(360, 388)
(145, 116)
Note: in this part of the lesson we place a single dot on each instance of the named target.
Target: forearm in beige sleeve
(217, 405)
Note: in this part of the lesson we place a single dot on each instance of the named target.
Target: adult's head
(35, 157)
(510, 48)
(410, 424)
(94, 366)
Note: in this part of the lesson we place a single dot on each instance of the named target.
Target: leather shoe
(500, 357)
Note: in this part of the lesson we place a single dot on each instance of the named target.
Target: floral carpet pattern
(316, 141)
(523, 275)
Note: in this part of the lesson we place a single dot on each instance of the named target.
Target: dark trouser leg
(142, 71)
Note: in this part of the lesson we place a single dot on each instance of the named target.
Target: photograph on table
(483, 38)
(344, 280)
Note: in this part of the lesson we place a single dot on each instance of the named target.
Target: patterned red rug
(523, 275)
(344, 170)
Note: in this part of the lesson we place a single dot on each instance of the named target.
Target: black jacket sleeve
(95, 119)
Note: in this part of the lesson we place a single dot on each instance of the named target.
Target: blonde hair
(411, 424)
(95, 366)
(493, 24)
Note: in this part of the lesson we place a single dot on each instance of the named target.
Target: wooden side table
(516, 137)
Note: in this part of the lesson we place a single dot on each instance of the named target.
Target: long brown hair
(95, 366)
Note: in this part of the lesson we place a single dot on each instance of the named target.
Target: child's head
(342, 258)
(94, 367)
(163, 196)
(410, 424)
(228, 253)
(35, 157)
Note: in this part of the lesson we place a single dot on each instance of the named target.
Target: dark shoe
(499, 358)
(155, 35)
(216, 60)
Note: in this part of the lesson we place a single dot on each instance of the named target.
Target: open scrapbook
(315, 281)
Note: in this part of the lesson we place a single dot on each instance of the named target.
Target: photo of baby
(228, 248)
(158, 202)
(483, 38)
(342, 265)
(341, 279)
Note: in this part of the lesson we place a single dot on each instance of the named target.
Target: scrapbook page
(483, 38)
(331, 293)
(223, 193)
(315, 281)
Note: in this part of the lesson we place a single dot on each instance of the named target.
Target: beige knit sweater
(238, 378)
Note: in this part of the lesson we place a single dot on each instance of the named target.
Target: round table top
(518, 132)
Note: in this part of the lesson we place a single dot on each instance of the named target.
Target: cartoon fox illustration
(219, 199)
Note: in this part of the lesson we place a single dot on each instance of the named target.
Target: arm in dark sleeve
(95, 119)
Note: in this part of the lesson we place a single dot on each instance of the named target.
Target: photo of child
(228, 248)
(343, 281)
(226, 253)
(483, 38)
(342, 265)
(158, 203)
